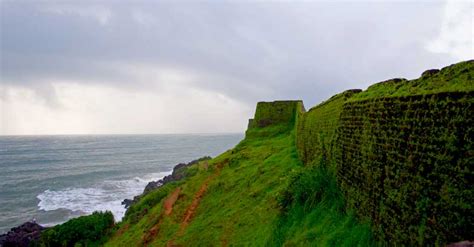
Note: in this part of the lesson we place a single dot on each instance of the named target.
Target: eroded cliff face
(403, 153)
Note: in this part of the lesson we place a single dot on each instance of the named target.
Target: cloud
(99, 13)
(200, 53)
(143, 18)
(456, 36)
(87, 109)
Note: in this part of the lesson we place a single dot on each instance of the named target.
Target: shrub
(82, 231)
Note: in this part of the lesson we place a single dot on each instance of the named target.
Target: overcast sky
(103, 67)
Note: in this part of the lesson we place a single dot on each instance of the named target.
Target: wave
(107, 195)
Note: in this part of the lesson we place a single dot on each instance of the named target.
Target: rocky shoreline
(176, 175)
(26, 233)
(23, 235)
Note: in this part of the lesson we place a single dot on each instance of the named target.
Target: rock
(3, 238)
(127, 202)
(153, 185)
(22, 235)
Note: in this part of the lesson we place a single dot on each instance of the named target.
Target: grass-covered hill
(391, 165)
(257, 194)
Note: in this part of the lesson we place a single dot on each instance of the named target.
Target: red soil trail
(191, 210)
(167, 210)
(169, 202)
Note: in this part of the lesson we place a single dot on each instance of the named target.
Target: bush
(83, 231)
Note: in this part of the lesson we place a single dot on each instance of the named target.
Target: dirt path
(167, 210)
(191, 210)
(169, 202)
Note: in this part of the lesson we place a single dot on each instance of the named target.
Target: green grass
(243, 202)
(314, 213)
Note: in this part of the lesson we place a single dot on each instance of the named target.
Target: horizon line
(124, 134)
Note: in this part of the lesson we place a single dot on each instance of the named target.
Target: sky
(141, 67)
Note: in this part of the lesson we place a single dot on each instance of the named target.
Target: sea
(50, 179)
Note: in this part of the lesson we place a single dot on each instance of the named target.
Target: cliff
(390, 165)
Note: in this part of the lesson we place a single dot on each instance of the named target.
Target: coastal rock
(153, 185)
(22, 235)
(177, 174)
(127, 202)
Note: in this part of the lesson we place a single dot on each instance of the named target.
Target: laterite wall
(276, 112)
(316, 129)
(406, 163)
(403, 154)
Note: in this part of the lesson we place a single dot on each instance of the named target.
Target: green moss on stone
(402, 151)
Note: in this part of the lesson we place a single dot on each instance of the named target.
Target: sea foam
(107, 195)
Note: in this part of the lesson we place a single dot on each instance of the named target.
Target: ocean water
(54, 178)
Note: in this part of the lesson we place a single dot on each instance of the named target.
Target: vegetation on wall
(316, 130)
(402, 151)
(406, 163)
(276, 112)
(455, 78)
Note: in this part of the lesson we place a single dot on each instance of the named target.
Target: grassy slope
(314, 214)
(242, 202)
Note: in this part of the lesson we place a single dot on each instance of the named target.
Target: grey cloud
(248, 51)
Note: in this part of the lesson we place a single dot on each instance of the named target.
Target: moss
(317, 128)
(405, 163)
(276, 112)
(454, 78)
(402, 152)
